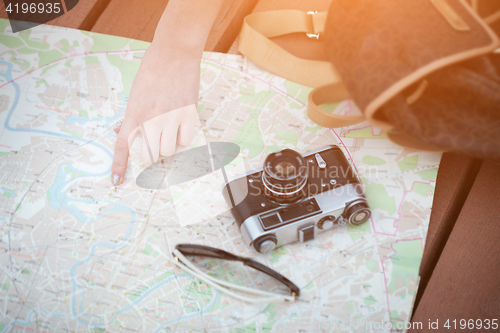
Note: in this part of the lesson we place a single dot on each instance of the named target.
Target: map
(78, 254)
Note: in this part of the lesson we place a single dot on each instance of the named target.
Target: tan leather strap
(337, 92)
(334, 92)
(254, 43)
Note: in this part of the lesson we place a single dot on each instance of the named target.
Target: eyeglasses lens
(237, 273)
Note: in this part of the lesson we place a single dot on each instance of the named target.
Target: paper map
(79, 255)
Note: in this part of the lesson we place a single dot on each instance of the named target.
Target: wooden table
(460, 270)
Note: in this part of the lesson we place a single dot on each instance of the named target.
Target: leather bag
(425, 71)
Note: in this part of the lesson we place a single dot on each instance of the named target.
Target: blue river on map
(76, 119)
(67, 174)
(59, 200)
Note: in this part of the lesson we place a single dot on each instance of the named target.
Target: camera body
(294, 198)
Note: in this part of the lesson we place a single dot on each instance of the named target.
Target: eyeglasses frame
(221, 254)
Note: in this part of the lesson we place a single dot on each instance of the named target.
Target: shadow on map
(188, 165)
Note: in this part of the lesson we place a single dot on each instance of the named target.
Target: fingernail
(118, 124)
(115, 180)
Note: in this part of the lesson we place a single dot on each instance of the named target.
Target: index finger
(125, 138)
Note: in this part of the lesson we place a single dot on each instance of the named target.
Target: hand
(164, 83)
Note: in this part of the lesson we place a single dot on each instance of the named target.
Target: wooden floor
(460, 271)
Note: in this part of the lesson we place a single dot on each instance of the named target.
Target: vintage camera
(294, 197)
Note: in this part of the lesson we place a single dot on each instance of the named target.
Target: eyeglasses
(182, 250)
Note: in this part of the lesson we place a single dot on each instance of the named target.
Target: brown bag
(426, 71)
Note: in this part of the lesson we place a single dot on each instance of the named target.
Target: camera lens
(284, 176)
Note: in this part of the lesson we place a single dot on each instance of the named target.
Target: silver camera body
(294, 198)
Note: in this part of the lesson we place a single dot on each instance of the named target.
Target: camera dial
(284, 176)
(266, 243)
(357, 212)
(327, 222)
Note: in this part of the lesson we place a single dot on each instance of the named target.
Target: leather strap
(326, 94)
(254, 43)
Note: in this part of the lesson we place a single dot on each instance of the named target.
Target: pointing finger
(121, 153)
